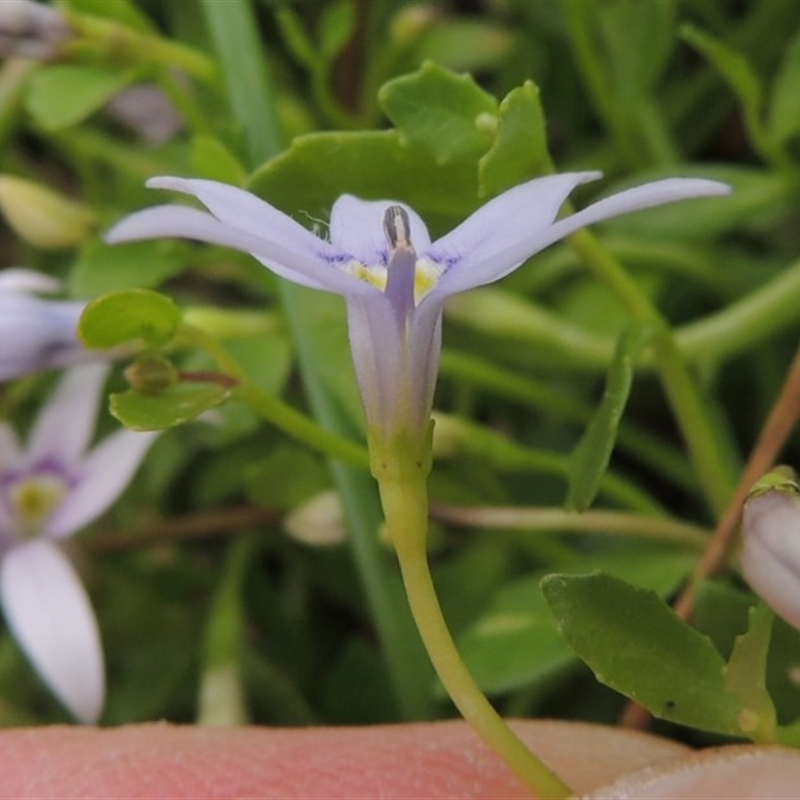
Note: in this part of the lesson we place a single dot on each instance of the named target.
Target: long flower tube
(395, 280)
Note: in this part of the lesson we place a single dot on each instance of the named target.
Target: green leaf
(784, 111)
(286, 478)
(131, 315)
(307, 178)
(634, 643)
(735, 69)
(101, 269)
(211, 159)
(463, 44)
(746, 676)
(519, 151)
(336, 27)
(61, 96)
(295, 37)
(722, 613)
(589, 460)
(639, 39)
(177, 405)
(441, 113)
(515, 642)
(120, 10)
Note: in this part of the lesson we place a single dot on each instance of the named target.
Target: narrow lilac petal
(65, 425)
(657, 193)
(356, 227)
(483, 265)
(510, 223)
(377, 348)
(293, 246)
(20, 279)
(101, 478)
(189, 223)
(396, 364)
(37, 334)
(48, 610)
(10, 451)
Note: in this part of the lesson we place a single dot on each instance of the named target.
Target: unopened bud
(31, 30)
(151, 374)
(42, 217)
(770, 556)
(319, 521)
(411, 22)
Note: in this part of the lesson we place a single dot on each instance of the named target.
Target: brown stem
(205, 523)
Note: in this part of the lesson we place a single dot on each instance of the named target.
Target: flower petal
(284, 240)
(20, 279)
(357, 228)
(64, 427)
(770, 555)
(37, 334)
(48, 610)
(189, 223)
(10, 450)
(503, 233)
(396, 364)
(483, 265)
(102, 477)
(657, 193)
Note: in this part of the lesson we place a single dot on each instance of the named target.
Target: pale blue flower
(36, 334)
(49, 490)
(395, 280)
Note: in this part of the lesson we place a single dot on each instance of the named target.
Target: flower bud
(410, 23)
(151, 374)
(31, 30)
(42, 217)
(319, 521)
(770, 556)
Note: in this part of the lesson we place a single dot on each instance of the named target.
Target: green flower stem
(708, 454)
(556, 520)
(275, 411)
(233, 30)
(405, 506)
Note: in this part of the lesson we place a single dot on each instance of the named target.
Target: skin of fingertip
(437, 760)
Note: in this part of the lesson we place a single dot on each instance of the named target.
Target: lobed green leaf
(129, 316)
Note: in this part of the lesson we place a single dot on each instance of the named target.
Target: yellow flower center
(426, 276)
(34, 499)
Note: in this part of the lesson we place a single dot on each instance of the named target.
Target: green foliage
(59, 97)
(129, 316)
(635, 644)
(440, 113)
(145, 411)
(590, 459)
(515, 644)
(443, 110)
(519, 151)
